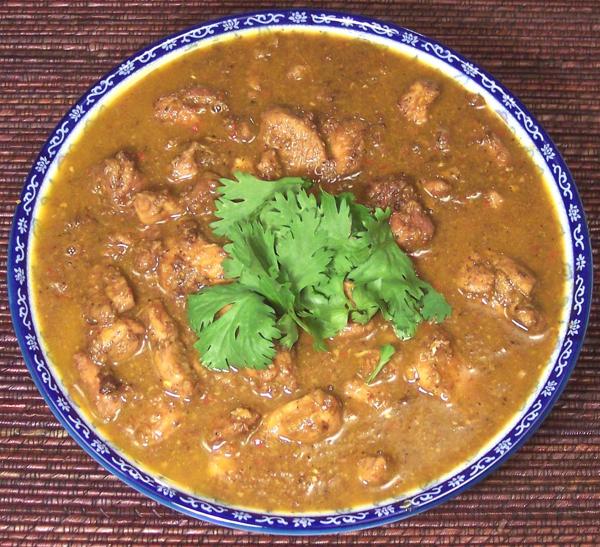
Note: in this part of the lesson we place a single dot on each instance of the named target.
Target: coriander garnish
(288, 257)
(385, 354)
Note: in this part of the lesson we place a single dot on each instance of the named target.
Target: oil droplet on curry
(124, 237)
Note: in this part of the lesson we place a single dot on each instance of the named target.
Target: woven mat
(52, 493)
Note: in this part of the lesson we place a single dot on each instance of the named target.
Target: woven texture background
(52, 493)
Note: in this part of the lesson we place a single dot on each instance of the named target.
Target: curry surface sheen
(447, 391)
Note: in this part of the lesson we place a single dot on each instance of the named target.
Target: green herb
(289, 254)
(385, 354)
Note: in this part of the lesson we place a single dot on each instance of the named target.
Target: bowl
(528, 130)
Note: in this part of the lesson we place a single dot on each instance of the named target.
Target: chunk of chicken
(495, 148)
(223, 467)
(296, 140)
(372, 470)
(118, 179)
(502, 283)
(153, 207)
(309, 419)
(277, 379)
(200, 198)
(268, 166)
(165, 418)
(236, 426)
(346, 142)
(100, 386)
(117, 289)
(168, 353)
(174, 370)
(194, 160)
(412, 227)
(159, 324)
(118, 341)
(146, 255)
(189, 262)
(187, 106)
(410, 222)
(417, 101)
(98, 310)
(377, 397)
(436, 368)
(437, 188)
(239, 130)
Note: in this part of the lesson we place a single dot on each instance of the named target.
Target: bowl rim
(253, 520)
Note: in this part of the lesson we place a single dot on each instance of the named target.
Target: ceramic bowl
(525, 127)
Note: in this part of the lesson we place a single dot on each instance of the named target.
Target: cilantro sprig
(289, 254)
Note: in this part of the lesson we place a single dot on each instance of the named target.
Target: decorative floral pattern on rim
(60, 403)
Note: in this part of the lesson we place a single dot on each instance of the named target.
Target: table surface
(52, 493)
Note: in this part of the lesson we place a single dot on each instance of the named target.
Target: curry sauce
(123, 236)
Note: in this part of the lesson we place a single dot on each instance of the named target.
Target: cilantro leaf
(243, 335)
(290, 253)
(387, 281)
(242, 198)
(301, 250)
(385, 354)
(253, 261)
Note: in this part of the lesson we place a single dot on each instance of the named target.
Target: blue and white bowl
(526, 128)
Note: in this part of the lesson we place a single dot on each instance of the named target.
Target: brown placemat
(52, 493)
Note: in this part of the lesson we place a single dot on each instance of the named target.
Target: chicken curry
(329, 379)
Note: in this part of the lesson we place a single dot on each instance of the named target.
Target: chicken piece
(109, 293)
(495, 148)
(187, 106)
(501, 283)
(118, 341)
(168, 353)
(277, 379)
(236, 426)
(98, 310)
(174, 370)
(117, 289)
(184, 167)
(153, 207)
(191, 162)
(416, 102)
(437, 188)
(239, 130)
(159, 324)
(222, 467)
(410, 223)
(189, 262)
(146, 255)
(393, 192)
(167, 416)
(200, 198)
(309, 419)
(296, 140)
(412, 227)
(527, 316)
(118, 179)
(436, 369)
(377, 397)
(372, 470)
(117, 246)
(100, 386)
(346, 142)
(268, 166)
